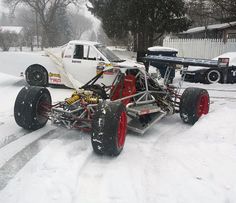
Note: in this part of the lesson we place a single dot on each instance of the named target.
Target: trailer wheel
(36, 75)
(213, 76)
(109, 128)
(193, 104)
(31, 106)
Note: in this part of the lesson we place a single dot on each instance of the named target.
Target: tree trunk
(135, 42)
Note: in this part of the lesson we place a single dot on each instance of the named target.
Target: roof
(83, 42)
(210, 27)
(164, 49)
(12, 29)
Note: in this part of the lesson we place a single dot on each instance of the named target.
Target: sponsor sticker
(57, 75)
(55, 80)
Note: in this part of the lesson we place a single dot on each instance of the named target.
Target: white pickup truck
(71, 65)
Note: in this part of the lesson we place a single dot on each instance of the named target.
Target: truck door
(84, 63)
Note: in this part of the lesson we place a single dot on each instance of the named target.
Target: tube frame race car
(133, 101)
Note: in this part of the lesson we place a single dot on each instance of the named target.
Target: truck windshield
(108, 53)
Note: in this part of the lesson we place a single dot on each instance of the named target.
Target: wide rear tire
(109, 128)
(31, 107)
(194, 103)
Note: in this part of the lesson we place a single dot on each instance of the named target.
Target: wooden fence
(201, 48)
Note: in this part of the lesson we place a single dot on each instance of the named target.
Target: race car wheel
(36, 75)
(31, 107)
(98, 90)
(213, 76)
(194, 103)
(109, 128)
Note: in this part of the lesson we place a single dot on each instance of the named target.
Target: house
(223, 31)
(12, 29)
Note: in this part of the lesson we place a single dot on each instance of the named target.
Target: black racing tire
(194, 103)
(213, 76)
(98, 90)
(36, 75)
(28, 110)
(109, 127)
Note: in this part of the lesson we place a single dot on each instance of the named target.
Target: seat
(125, 88)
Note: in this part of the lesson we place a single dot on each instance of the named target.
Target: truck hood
(129, 63)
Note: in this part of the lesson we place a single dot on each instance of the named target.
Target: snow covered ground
(172, 163)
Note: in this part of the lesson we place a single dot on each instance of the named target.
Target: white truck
(71, 65)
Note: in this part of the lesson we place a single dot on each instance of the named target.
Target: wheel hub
(203, 105)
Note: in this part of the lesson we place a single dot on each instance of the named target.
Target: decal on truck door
(54, 78)
(101, 66)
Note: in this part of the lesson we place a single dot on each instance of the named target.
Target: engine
(81, 97)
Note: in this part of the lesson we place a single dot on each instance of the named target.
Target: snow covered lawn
(172, 162)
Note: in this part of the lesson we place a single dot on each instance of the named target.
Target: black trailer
(211, 71)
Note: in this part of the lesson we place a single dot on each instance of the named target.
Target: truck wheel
(36, 75)
(194, 103)
(109, 128)
(213, 76)
(30, 107)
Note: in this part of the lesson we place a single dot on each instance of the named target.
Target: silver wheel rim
(217, 79)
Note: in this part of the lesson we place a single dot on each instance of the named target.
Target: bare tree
(46, 10)
(227, 10)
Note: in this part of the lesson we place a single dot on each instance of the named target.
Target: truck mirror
(100, 59)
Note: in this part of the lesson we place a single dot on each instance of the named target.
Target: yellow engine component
(92, 99)
(75, 97)
(83, 95)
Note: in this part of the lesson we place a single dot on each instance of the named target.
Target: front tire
(30, 107)
(194, 103)
(109, 128)
(36, 75)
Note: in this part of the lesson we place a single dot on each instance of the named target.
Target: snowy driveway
(172, 162)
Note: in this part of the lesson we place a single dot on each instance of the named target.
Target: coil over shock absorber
(75, 97)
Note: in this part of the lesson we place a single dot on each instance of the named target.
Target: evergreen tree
(147, 20)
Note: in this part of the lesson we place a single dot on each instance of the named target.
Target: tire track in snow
(12, 137)
(97, 171)
(18, 160)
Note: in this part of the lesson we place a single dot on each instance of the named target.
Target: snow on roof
(160, 48)
(210, 27)
(83, 42)
(12, 29)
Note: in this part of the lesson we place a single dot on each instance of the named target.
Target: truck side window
(79, 52)
(86, 52)
(93, 55)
